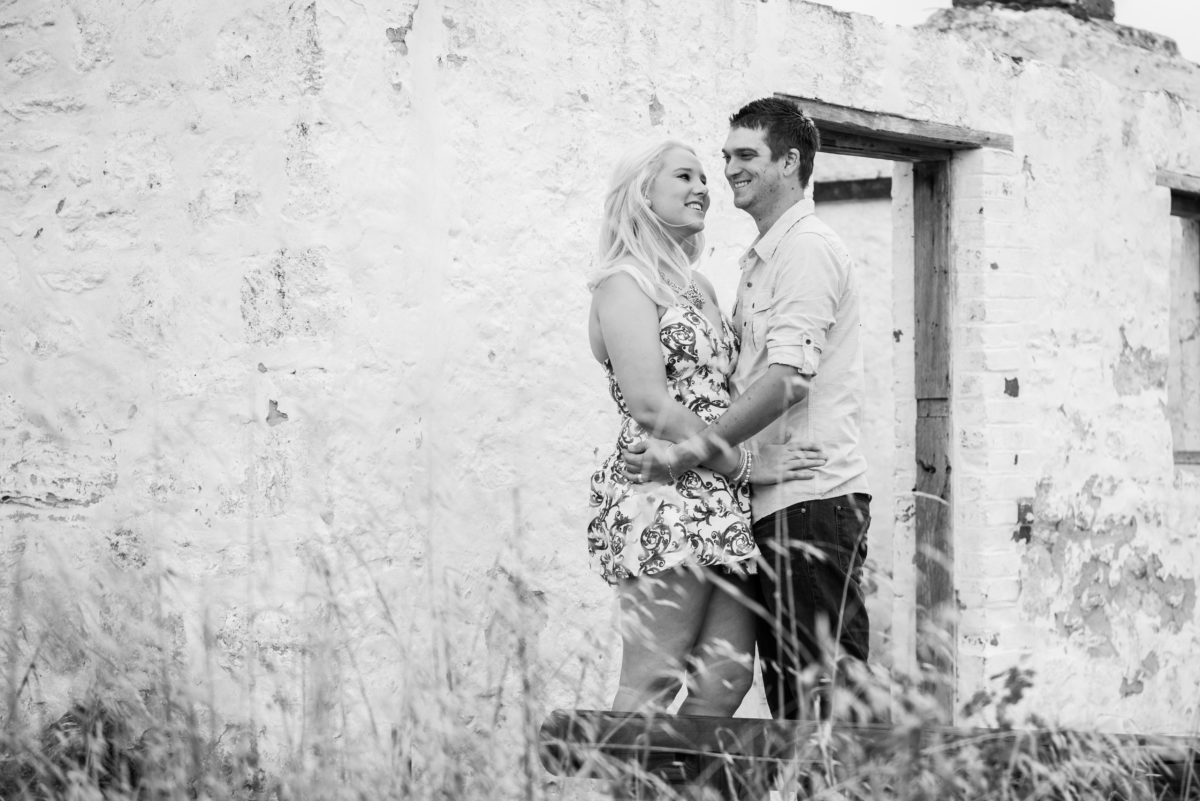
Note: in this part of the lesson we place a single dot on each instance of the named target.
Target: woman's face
(678, 194)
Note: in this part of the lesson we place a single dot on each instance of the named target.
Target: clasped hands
(648, 460)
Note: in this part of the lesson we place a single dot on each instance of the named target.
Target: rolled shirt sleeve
(808, 284)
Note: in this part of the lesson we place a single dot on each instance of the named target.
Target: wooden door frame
(930, 147)
(1185, 203)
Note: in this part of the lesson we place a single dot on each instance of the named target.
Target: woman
(676, 552)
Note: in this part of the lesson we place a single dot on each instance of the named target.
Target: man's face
(756, 179)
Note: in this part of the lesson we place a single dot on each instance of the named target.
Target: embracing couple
(733, 511)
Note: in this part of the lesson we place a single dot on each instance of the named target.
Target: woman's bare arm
(629, 326)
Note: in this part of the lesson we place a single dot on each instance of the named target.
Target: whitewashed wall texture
(292, 335)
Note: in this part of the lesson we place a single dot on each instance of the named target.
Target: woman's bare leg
(661, 618)
(685, 620)
(721, 665)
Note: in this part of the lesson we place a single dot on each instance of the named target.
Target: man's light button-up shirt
(798, 305)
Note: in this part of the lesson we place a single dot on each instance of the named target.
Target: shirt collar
(765, 246)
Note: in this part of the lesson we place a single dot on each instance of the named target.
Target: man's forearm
(762, 402)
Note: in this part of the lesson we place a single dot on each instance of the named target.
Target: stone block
(288, 296)
(1087, 9)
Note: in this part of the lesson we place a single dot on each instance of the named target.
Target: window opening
(1183, 365)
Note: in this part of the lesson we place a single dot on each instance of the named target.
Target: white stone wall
(1070, 297)
(1108, 578)
(292, 332)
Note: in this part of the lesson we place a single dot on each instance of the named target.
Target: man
(800, 379)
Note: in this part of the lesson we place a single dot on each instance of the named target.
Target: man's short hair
(785, 127)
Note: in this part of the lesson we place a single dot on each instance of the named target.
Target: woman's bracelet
(742, 475)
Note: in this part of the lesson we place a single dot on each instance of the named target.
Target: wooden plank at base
(571, 739)
(749, 753)
(739, 757)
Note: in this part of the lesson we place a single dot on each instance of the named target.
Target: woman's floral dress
(700, 519)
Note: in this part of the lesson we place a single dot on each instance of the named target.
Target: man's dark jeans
(811, 584)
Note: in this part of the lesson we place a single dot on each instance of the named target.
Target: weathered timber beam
(1185, 193)
(1179, 181)
(682, 749)
(852, 127)
(575, 742)
(845, 143)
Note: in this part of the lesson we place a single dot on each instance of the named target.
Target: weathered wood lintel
(876, 134)
(843, 143)
(1181, 182)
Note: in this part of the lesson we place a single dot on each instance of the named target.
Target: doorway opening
(884, 183)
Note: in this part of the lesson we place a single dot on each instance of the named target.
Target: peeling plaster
(398, 35)
(1138, 369)
(1085, 570)
(1136, 683)
(48, 476)
(274, 416)
(126, 549)
(656, 111)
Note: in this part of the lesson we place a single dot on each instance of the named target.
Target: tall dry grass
(156, 707)
(116, 688)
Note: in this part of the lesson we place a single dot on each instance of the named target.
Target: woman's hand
(791, 461)
(647, 460)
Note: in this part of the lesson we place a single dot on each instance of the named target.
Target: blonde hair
(632, 237)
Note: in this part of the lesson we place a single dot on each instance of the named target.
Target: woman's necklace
(690, 292)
